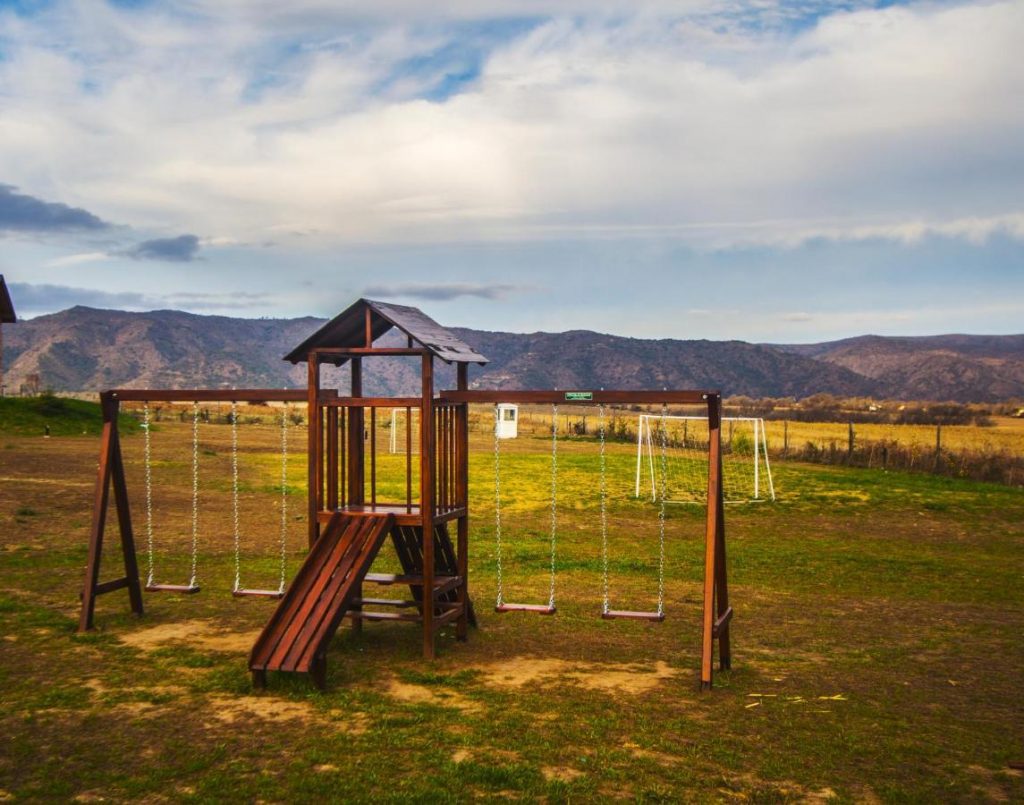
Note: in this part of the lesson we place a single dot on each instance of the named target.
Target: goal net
(746, 473)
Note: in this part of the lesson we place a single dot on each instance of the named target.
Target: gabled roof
(6, 305)
(348, 329)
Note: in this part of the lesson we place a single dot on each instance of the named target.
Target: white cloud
(230, 119)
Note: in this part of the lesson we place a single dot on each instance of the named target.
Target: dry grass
(877, 646)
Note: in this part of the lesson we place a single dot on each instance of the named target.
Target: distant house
(7, 316)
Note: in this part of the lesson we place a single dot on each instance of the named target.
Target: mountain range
(85, 349)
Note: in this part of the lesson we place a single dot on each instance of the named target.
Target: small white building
(507, 426)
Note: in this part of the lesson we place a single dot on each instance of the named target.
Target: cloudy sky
(788, 170)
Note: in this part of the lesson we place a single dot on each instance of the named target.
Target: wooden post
(332, 458)
(716, 596)
(462, 500)
(356, 446)
(938, 445)
(427, 501)
(785, 437)
(314, 464)
(849, 444)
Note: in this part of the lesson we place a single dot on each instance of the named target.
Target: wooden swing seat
(185, 589)
(540, 609)
(244, 592)
(625, 614)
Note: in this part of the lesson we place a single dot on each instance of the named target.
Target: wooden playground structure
(348, 522)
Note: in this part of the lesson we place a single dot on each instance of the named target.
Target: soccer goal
(746, 473)
(404, 431)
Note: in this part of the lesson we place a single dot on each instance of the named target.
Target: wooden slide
(296, 637)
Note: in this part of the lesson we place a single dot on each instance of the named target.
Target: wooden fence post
(849, 444)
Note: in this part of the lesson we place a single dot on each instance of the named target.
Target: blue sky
(766, 171)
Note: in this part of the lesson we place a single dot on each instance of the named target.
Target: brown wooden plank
(276, 631)
(313, 466)
(627, 614)
(540, 609)
(109, 586)
(212, 395)
(101, 497)
(698, 397)
(713, 515)
(332, 578)
(369, 402)
(344, 549)
(427, 479)
(283, 616)
(341, 595)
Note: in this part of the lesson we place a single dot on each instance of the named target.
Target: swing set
(348, 520)
(607, 613)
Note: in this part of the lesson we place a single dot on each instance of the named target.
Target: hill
(83, 349)
(964, 368)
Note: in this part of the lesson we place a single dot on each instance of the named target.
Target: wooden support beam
(462, 500)
(314, 441)
(427, 473)
(585, 397)
(715, 589)
(109, 473)
(211, 395)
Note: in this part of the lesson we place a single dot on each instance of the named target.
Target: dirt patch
(196, 633)
(562, 774)
(420, 694)
(649, 754)
(354, 723)
(461, 755)
(229, 710)
(609, 678)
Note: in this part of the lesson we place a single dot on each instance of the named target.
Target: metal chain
(497, 506)
(661, 513)
(195, 491)
(147, 463)
(284, 496)
(234, 495)
(604, 512)
(554, 500)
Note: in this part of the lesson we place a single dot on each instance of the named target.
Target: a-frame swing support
(110, 473)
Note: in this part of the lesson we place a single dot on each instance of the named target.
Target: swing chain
(554, 499)
(195, 491)
(234, 495)
(604, 512)
(661, 511)
(284, 496)
(147, 463)
(497, 505)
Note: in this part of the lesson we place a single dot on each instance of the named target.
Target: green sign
(579, 395)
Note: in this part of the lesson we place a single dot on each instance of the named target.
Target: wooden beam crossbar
(585, 397)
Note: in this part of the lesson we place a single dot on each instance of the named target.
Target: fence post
(849, 444)
(938, 445)
(785, 437)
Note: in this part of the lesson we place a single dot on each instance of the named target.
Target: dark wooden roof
(6, 305)
(348, 329)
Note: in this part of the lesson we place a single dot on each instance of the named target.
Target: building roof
(6, 305)
(348, 329)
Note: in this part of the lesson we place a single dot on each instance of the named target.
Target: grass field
(877, 644)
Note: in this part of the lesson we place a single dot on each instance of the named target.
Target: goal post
(746, 471)
(401, 420)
